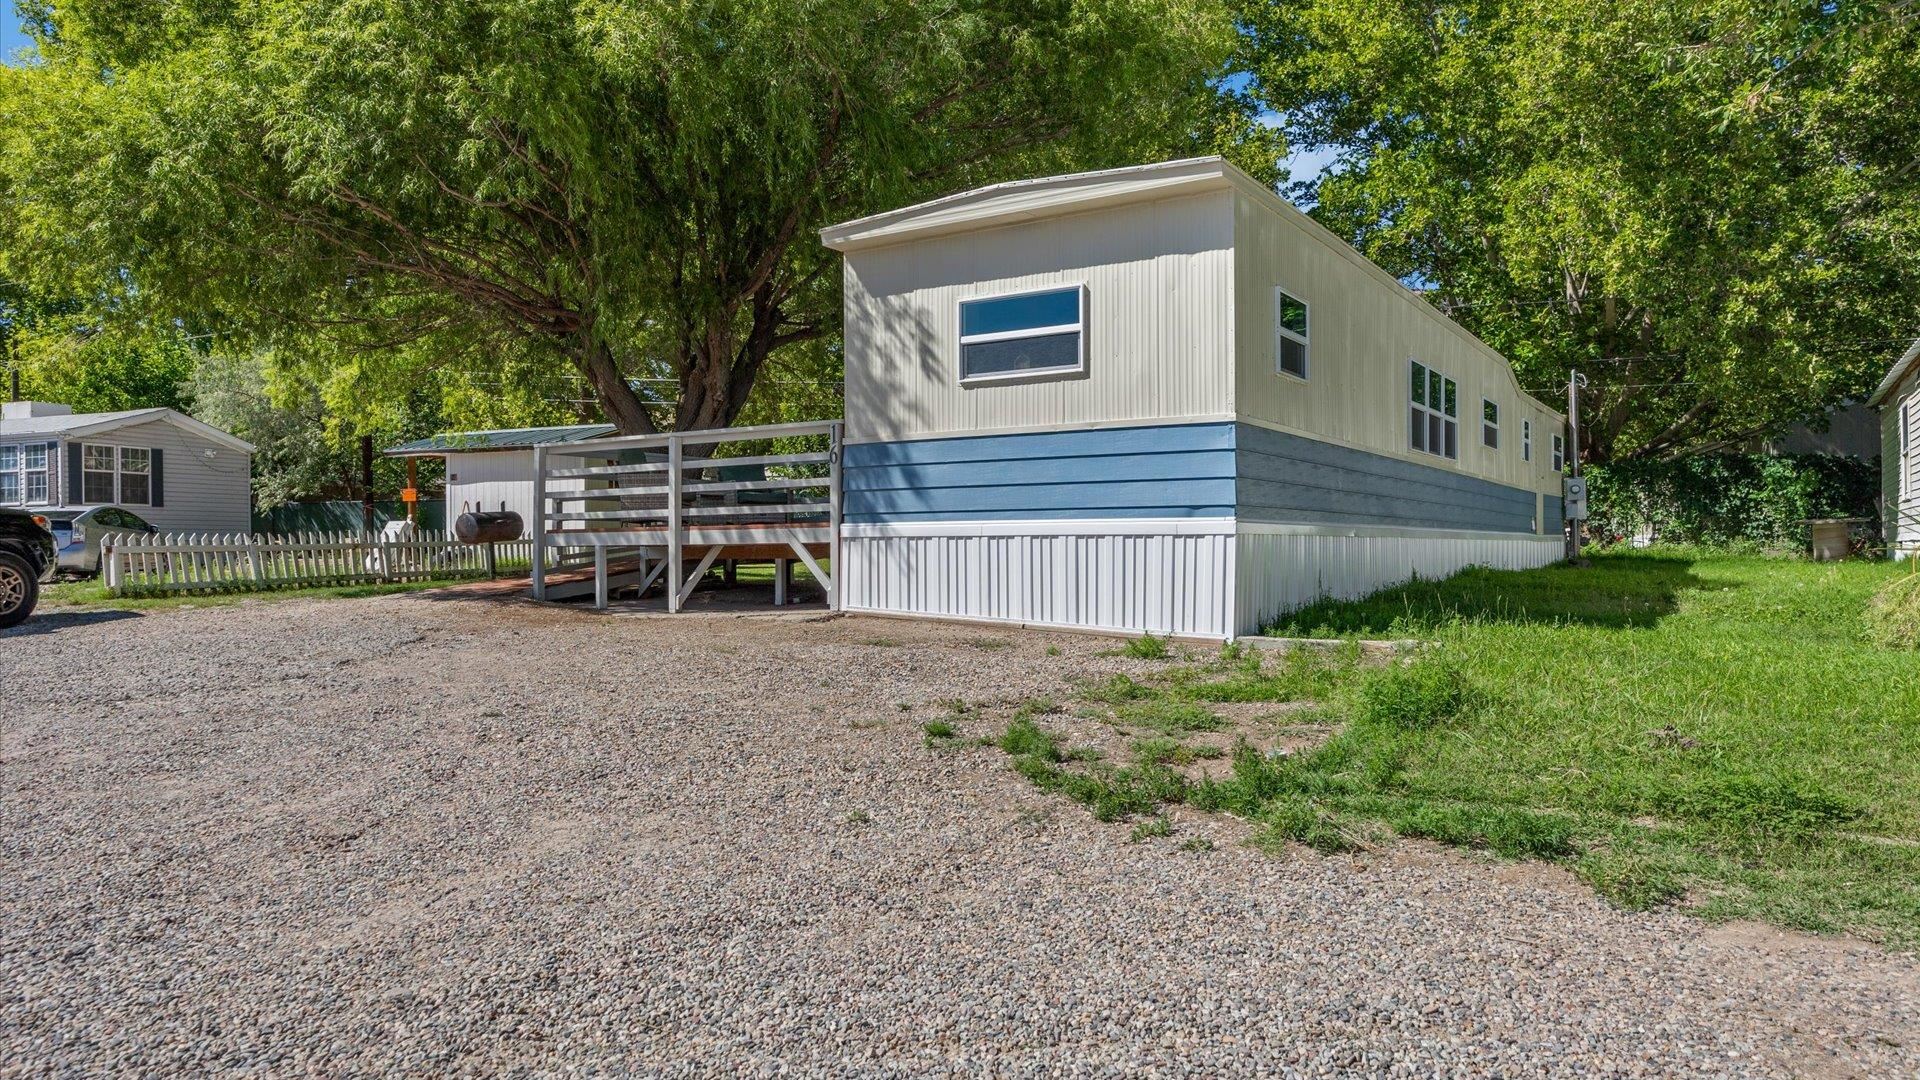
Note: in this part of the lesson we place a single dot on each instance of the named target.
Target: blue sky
(11, 39)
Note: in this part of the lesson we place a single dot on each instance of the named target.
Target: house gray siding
(1285, 478)
(205, 484)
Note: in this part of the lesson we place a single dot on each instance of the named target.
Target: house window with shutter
(9, 476)
(136, 467)
(1434, 424)
(97, 467)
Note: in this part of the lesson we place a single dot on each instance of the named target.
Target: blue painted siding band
(1555, 514)
(1176, 471)
(1285, 478)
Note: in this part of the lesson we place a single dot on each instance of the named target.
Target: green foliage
(1893, 615)
(1730, 498)
(620, 198)
(1422, 693)
(1710, 208)
(1153, 828)
(1147, 647)
(1168, 716)
(1025, 739)
(938, 729)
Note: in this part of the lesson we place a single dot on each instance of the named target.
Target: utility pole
(1574, 491)
(366, 483)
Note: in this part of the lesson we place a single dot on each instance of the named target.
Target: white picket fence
(206, 562)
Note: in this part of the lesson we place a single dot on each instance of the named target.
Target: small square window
(1290, 333)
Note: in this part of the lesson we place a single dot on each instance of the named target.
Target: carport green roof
(469, 442)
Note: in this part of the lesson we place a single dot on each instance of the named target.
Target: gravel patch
(445, 836)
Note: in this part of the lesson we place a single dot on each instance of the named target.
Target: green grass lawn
(90, 594)
(1712, 731)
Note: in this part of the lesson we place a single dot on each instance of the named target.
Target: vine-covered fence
(203, 562)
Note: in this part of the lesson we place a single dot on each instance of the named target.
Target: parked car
(78, 533)
(26, 559)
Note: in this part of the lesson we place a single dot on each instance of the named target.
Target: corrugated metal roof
(468, 442)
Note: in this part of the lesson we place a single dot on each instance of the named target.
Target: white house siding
(1364, 329)
(1283, 568)
(487, 480)
(205, 485)
(1900, 469)
(1167, 577)
(1158, 278)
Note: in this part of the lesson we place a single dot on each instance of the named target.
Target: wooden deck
(676, 513)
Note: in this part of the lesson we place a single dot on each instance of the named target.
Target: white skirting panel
(1283, 568)
(1103, 577)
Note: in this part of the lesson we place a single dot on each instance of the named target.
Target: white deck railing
(140, 564)
(654, 497)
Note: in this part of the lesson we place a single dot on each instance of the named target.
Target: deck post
(780, 582)
(833, 518)
(674, 567)
(539, 523)
(600, 577)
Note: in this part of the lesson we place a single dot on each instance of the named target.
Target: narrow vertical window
(1526, 440)
(9, 474)
(1559, 453)
(136, 466)
(97, 465)
(1434, 413)
(1290, 333)
(1489, 423)
(33, 474)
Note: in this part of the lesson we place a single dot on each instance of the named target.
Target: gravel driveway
(424, 835)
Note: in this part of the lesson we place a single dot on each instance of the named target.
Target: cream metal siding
(205, 486)
(1158, 280)
(487, 480)
(1900, 468)
(1364, 328)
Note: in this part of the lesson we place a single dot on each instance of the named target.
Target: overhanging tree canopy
(1713, 209)
(627, 188)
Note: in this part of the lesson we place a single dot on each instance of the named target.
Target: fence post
(111, 552)
(674, 566)
(539, 572)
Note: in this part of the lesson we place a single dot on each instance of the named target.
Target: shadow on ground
(1618, 591)
(50, 622)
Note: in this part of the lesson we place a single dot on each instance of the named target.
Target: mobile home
(168, 468)
(1162, 399)
(1898, 399)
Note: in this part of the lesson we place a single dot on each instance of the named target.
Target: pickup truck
(26, 559)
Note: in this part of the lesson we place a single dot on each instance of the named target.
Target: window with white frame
(136, 470)
(1023, 335)
(9, 475)
(1290, 334)
(1434, 424)
(1489, 423)
(33, 473)
(98, 465)
(1910, 449)
(1559, 453)
(1526, 440)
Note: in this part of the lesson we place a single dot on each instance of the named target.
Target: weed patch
(1147, 647)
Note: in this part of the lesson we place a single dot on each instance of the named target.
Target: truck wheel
(19, 591)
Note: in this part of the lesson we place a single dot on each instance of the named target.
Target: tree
(630, 189)
(1711, 209)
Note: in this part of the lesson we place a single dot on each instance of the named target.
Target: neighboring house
(1898, 399)
(1850, 430)
(491, 469)
(174, 471)
(1161, 398)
